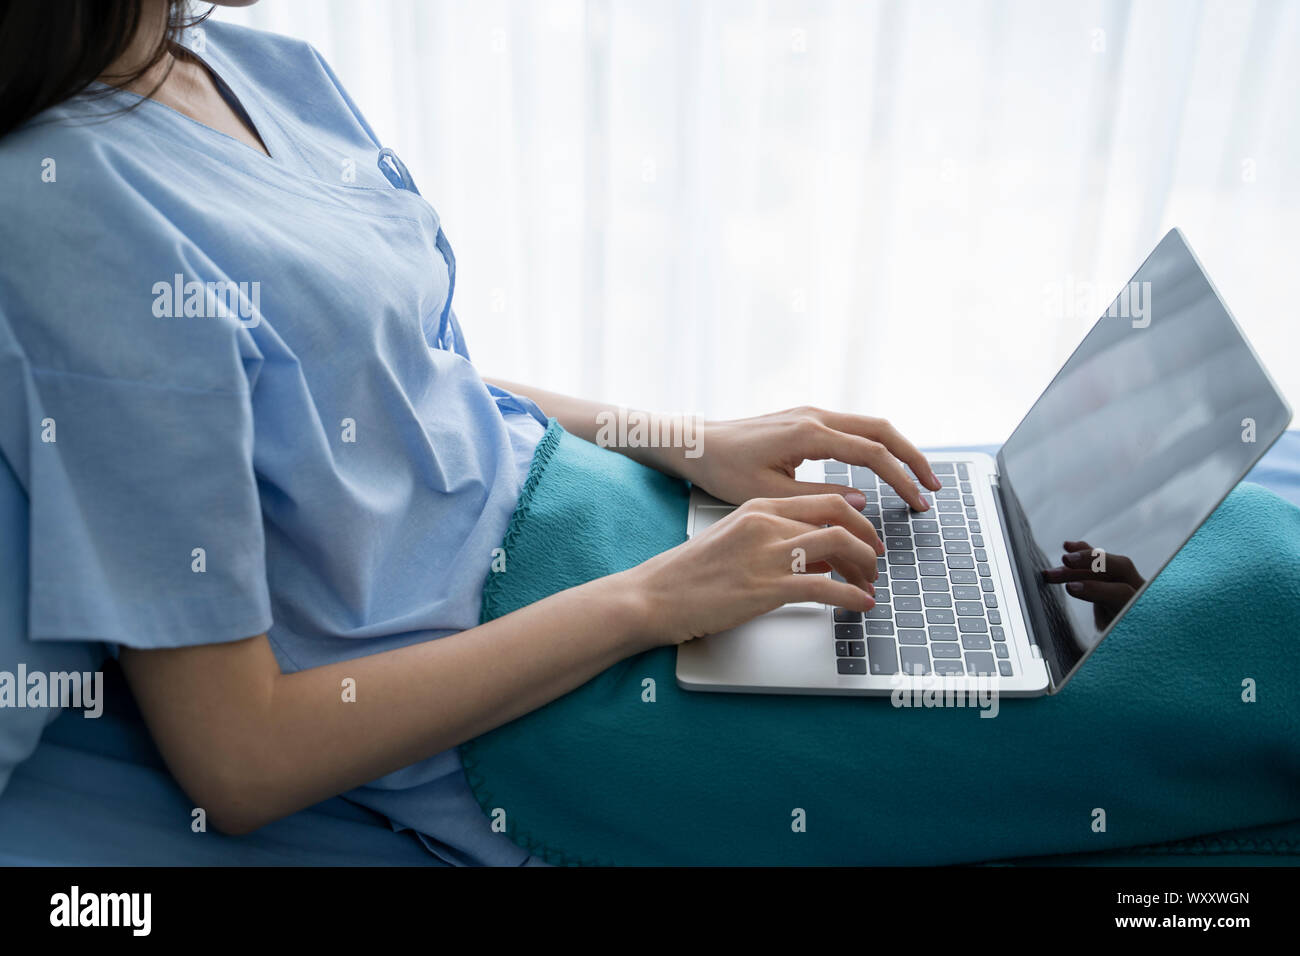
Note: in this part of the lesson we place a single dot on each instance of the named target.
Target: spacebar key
(883, 655)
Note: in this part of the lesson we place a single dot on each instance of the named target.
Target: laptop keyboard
(937, 609)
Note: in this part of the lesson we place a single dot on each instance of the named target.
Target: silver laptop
(1161, 410)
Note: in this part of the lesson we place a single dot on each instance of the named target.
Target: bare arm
(250, 744)
(582, 417)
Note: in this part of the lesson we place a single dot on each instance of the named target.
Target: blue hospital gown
(263, 413)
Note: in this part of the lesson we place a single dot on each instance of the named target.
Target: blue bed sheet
(96, 793)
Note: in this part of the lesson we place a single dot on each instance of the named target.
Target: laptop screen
(1159, 412)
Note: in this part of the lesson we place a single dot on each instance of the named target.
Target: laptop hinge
(1035, 646)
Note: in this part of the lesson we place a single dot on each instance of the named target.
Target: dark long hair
(51, 50)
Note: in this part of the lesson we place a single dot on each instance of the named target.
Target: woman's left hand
(757, 457)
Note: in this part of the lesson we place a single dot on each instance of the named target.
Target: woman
(277, 477)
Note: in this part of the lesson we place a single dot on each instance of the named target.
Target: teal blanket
(1157, 732)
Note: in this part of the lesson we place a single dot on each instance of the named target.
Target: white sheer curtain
(910, 208)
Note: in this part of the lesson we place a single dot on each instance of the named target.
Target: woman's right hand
(766, 553)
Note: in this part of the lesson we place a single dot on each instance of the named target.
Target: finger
(792, 528)
(856, 450)
(856, 499)
(1111, 593)
(816, 508)
(815, 587)
(849, 555)
(1116, 567)
(1062, 575)
(882, 431)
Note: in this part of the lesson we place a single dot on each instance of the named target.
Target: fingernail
(1074, 587)
(857, 499)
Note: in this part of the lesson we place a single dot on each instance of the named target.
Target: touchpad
(707, 515)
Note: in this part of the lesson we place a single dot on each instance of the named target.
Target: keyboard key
(944, 493)
(981, 554)
(851, 666)
(882, 593)
(960, 561)
(937, 599)
(950, 506)
(976, 539)
(848, 632)
(949, 668)
(894, 514)
(842, 648)
(928, 541)
(899, 528)
(880, 612)
(975, 527)
(902, 557)
(943, 467)
(909, 636)
(980, 664)
(904, 573)
(943, 632)
(968, 609)
(954, 533)
(857, 649)
(1000, 650)
(915, 660)
(962, 472)
(925, 526)
(880, 627)
(907, 603)
(957, 547)
(998, 633)
(995, 617)
(881, 654)
(894, 542)
(908, 619)
(844, 616)
(837, 479)
(929, 554)
(990, 599)
(962, 592)
(966, 625)
(962, 577)
(835, 468)
(903, 587)
(975, 642)
(882, 565)
(863, 477)
(968, 500)
(939, 615)
(935, 584)
(1004, 668)
(933, 569)
(984, 570)
(965, 487)
(951, 520)
(986, 584)
(945, 651)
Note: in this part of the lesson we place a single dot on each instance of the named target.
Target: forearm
(590, 420)
(258, 746)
